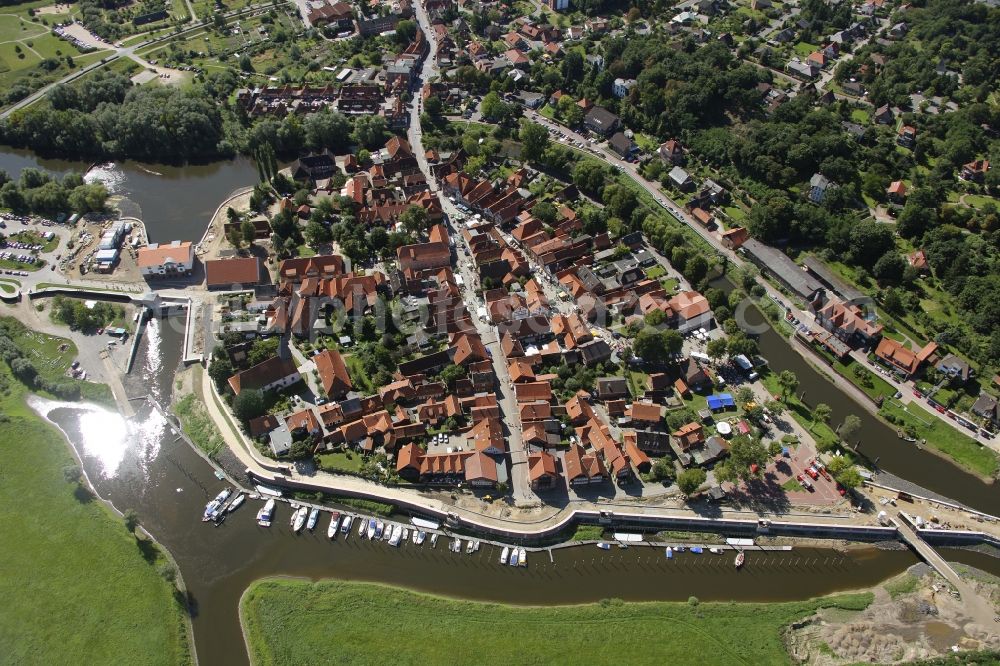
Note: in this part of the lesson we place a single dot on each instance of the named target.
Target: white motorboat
(313, 519)
(513, 557)
(434, 540)
(522, 557)
(456, 545)
(212, 508)
(345, 529)
(504, 554)
(379, 529)
(740, 559)
(299, 519)
(395, 534)
(418, 537)
(266, 513)
(236, 503)
(715, 550)
(331, 531)
(669, 552)
(469, 547)
(406, 534)
(476, 549)
(369, 531)
(603, 545)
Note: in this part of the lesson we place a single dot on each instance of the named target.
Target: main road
(520, 484)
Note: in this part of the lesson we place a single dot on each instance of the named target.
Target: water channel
(175, 202)
(878, 440)
(142, 465)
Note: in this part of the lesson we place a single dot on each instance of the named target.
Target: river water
(175, 202)
(878, 440)
(141, 464)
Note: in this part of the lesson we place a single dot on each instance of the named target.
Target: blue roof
(727, 400)
(714, 402)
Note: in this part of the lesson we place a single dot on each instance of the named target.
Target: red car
(841, 490)
(806, 483)
(811, 471)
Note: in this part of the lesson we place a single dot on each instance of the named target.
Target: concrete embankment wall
(113, 296)
(619, 519)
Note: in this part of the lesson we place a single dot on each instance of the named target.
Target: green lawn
(952, 442)
(340, 462)
(548, 112)
(587, 533)
(803, 49)
(77, 587)
(824, 435)
(198, 425)
(52, 357)
(292, 621)
(656, 271)
(860, 116)
(359, 377)
(8, 287)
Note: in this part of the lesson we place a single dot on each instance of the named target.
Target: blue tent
(727, 400)
(714, 403)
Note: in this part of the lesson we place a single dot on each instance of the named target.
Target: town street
(520, 485)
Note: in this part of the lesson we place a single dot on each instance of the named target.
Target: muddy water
(877, 439)
(142, 465)
(175, 202)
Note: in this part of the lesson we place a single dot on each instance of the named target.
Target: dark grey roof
(778, 263)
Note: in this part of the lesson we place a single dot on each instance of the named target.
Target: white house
(621, 87)
(274, 373)
(156, 260)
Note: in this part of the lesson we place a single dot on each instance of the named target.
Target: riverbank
(292, 622)
(71, 563)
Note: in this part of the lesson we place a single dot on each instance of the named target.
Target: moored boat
(513, 557)
(370, 531)
(418, 537)
(715, 550)
(379, 529)
(603, 545)
(406, 534)
(697, 550)
(740, 558)
(266, 513)
(456, 545)
(669, 552)
(395, 534)
(299, 519)
(469, 547)
(346, 527)
(434, 540)
(331, 531)
(313, 519)
(236, 503)
(215, 506)
(504, 554)
(522, 557)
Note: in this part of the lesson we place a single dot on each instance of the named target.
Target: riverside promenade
(542, 522)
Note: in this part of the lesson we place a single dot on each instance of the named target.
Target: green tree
(415, 219)
(788, 383)
(844, 471)
(248, 231)
(716, 348)
(534, 141)
(656, 346)
(72, 474)
(744, 453)
(820, 414)
(317, 233)
(249, 404)
(221, 369)
(690, 480)
(131, 519)
(663, 470)
(850, 427)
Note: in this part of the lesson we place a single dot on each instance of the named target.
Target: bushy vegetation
(75, 314)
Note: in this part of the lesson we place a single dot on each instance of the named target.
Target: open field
(290, 622)
(77, 587)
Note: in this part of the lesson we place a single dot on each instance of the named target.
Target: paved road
(519, 482)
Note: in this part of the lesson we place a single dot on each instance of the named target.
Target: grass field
(340, 462)
(953, 443)
(198, 425)
(290, 622)
(77, 587)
